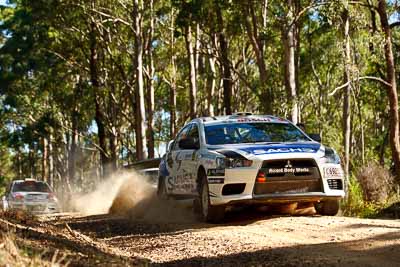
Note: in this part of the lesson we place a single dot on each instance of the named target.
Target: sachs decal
(274, 149)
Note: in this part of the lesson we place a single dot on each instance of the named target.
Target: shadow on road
(105, 226)
(351, 253)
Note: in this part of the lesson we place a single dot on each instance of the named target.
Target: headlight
(227, 163)
(330, 156)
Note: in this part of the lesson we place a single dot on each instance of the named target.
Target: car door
(190, 163)
(174, 181)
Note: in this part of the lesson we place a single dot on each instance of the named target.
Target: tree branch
(358, 79)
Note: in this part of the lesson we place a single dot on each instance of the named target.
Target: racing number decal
(184, 181)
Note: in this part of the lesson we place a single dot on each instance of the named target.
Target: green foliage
(355, 205)
(48, 49)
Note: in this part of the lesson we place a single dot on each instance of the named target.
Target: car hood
(272, 150)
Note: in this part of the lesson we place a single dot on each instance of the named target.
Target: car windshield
(31, 186)
(237, 133)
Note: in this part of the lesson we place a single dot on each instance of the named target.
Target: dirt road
(253, 239)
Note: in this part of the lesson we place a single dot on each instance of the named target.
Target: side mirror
(315, 137)
(188, 143)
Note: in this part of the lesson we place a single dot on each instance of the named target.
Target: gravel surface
(250, 241)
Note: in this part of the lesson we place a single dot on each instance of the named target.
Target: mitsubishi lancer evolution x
(246, 159)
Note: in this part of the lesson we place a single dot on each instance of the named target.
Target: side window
(194, 133)
(182, 135)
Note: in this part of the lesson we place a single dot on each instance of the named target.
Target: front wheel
(327, 207)
(209, 213)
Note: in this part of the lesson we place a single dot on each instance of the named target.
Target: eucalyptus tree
(391, 86)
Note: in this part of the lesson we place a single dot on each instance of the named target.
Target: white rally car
(30, 195)
(249, 159)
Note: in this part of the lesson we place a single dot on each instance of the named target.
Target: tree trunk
(50, 161)
(197, 49)
(45, 154)
(32, 167)
(192, 65)
(140, 129)
(150, 84)
(101, 133)
(61, 159)
(297, 41)
(112, 132)
(258, 48)
(226, 70)
(290, 61)
(99, 115)
(391, 90)
(72, 149)
(346, 93)
(113, 145)
(172, 102)
(172, 95)
(211, 82)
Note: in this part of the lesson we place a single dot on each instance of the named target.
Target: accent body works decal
(285, 148)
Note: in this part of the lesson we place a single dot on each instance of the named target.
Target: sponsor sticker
(254, 120)
(333, 172)
(288, 170)
(216, 172)
(275, 149)
(215, 180)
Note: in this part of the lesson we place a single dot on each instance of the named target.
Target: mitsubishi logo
(289, 164)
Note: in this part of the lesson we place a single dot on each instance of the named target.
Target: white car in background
(151, 175)
(30, 195)
(249, 159)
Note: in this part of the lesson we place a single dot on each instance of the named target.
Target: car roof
(240, 118)
(28, 180)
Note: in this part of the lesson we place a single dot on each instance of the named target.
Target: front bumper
(35, 207)
(247, 178)
(276, 199)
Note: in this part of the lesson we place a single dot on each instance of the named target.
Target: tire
(161, 189)
(208, 213)
(327, 207)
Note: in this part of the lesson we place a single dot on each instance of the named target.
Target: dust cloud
(130, 194)
(100, 199)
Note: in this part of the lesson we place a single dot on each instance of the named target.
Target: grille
(292, 187)
(286, 176)
(336, 184)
